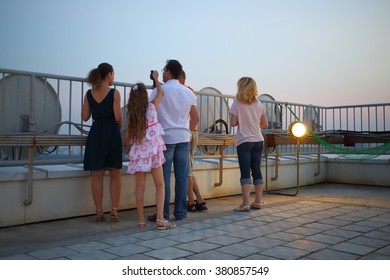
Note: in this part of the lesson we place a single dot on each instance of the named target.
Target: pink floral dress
(149, 154)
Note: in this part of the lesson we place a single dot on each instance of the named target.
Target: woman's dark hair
(174, 67)
(98, 74)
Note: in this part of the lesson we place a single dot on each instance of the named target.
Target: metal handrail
(369, 122)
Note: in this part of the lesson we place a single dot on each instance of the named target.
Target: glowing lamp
(297, 129)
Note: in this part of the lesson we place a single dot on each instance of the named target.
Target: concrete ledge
(63, 191)
(372, 172)
(41, 172)
(19, 173)
(62, 171)
(383, 159)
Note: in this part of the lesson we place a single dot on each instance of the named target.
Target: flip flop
(242, 208)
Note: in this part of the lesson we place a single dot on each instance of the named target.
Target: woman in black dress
(103, 149)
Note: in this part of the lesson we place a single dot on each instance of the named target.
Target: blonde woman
(248, 114)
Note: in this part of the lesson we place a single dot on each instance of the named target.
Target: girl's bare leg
(158, 178)
(139, 196)
(199, 198)
(190, 193)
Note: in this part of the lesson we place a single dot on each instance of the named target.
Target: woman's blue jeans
(249, 158)
(178, 155)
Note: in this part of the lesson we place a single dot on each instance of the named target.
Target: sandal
(164, 224)
(141, 225)
(242, 208)
(192, 208)
(201, 206)
(255, 205)
(100, 216)
(114, 216)
(152, 218)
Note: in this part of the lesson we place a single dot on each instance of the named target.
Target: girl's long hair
(247, 90)
(136, 113)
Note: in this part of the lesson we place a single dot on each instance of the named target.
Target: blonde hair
(247, 90)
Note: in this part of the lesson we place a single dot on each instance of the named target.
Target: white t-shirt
(173, 112)
(248, 116)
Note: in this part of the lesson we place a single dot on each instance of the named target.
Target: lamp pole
(296, 130)
(298, 145)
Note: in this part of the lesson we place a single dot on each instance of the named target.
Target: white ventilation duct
(214, 115)
(274, 112)
(29, 105)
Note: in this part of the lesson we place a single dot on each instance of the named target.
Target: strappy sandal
(255, 206)
(141, 225)
(192, 208)
(242, 208)
(100, 216)
(201, 206)
(114, 215)
(152, 218)
(164, 224)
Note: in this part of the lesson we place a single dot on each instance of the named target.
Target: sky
(320, 52)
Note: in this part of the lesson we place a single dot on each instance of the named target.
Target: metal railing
(37, 105)
(332, 123)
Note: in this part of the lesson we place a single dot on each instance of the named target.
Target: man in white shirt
(178, 115)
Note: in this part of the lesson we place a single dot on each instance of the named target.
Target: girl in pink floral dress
(145, 146)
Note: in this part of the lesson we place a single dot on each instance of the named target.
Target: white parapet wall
(364, 172)
(64, 191)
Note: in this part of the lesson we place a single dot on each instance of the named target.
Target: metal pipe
(220, 168)
(276, 164)
(297, 187)
(318, 160)
(266, 168)
(30, 177)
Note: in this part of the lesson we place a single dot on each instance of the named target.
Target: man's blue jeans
(178, 155)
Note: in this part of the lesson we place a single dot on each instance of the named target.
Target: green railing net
(355, 154)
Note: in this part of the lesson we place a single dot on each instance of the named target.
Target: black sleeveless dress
(104, 145)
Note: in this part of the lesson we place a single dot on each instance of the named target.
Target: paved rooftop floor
(323, 222)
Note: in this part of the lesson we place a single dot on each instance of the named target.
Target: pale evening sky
(321, 52)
